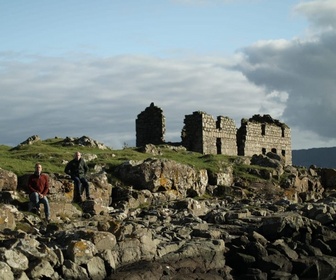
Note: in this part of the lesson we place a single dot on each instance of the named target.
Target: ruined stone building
(263, 134)
(150, 126)
(203, 134)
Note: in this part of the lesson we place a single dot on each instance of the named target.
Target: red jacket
(38, 183)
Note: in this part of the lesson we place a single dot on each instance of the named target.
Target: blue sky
(159, 28)
(79, 67)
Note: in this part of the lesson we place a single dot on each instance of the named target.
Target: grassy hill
(51, 153)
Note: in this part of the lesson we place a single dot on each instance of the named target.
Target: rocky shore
(165, 220)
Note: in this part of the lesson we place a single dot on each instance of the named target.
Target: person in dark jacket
(77, 169)
(38, 188)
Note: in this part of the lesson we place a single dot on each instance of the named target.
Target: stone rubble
(161, 225)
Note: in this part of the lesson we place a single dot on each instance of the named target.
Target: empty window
(263, 129)
(263, 151)
(219, 146)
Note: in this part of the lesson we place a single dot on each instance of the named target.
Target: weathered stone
(96, 268)
(103, 240)
(275, 262)
(197, 208)
(83, 141)
(223, 178)
(256, 250)
(7, 217)
(5, 272)
(8, 180)
(33, 249)
(81, 251)
(74, 271)
(282, 247)
(164, 175)
(41, 269)
(16, 260)
(109, 258)
(21, 276)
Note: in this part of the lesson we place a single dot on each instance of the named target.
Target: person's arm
(86, 168)
(45, 185)
(31, 188)
(69, 168)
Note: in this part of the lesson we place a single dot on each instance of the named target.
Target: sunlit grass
(52, 155)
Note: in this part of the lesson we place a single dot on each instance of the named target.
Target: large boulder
(159, 175)
(8, 180)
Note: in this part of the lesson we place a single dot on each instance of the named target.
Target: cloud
(320, 13)
(304, 69)
(76, 95)
(101, 97)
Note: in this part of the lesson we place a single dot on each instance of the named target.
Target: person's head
(38, 168)
(77, 155)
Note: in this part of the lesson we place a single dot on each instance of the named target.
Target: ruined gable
(263, 134)
(150, 126)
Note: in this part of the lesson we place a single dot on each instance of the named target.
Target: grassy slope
(50, 153)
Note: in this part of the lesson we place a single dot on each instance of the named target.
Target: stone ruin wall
(261, 138)
(226, 136)
(192, 132)
(202, 133)
(150, 126)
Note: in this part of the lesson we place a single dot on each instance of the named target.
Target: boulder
(8, 180)
(159, 175)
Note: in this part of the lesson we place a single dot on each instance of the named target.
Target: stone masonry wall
(192, 132)
(150, 126)
(227, 136)
(260, 135)
(203, 134)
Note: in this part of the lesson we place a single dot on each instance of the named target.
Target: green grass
(52, 154)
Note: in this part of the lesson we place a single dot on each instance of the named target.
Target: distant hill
(321, 157)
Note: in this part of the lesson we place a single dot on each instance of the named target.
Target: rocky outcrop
(83, 141)
(162, 223)
(162, 175)
(8, 180)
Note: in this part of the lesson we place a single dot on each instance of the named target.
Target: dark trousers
(81, 185)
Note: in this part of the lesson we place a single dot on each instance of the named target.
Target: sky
(72, 68)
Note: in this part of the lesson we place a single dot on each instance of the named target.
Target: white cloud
(101, 97)
(292, 80)
(321, 13)
(305, 70)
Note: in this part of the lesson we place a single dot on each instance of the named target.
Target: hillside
(52, 153)
(321, 157)
(163, 212)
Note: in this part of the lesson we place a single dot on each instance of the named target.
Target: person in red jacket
(38, 188)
